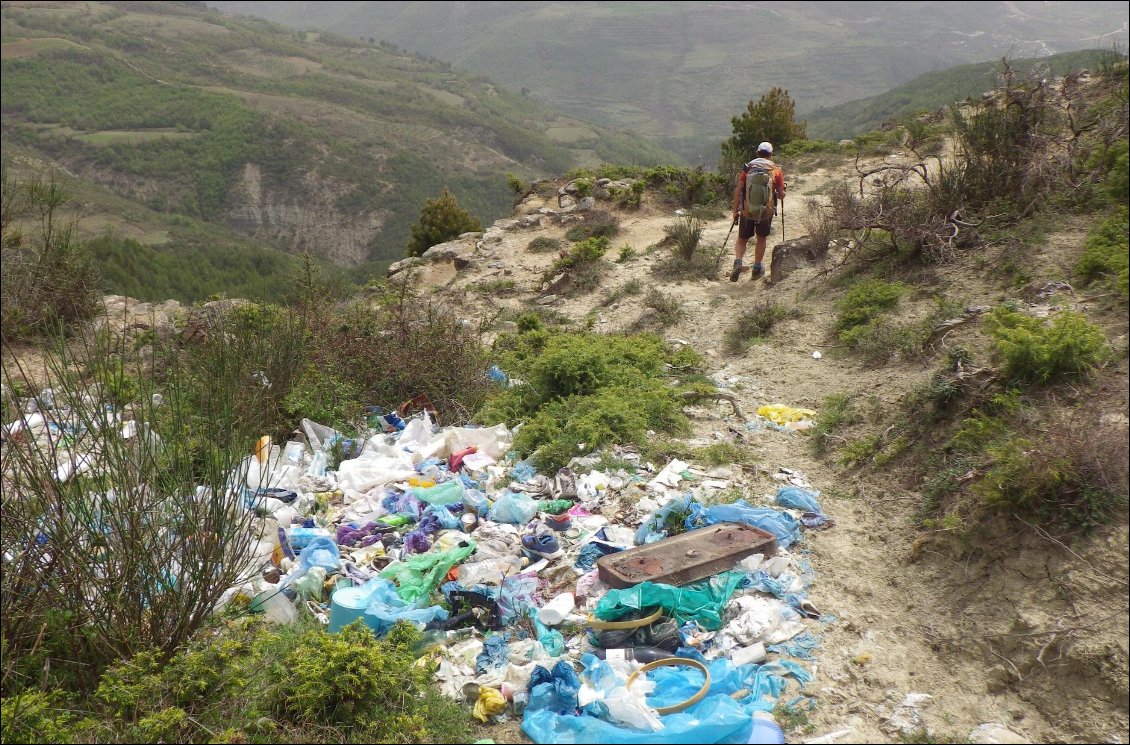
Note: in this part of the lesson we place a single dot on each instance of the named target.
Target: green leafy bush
(1106, 253)
(586, 391)
(836, 411)
(756, 324)
(597, 224)
(245, 681)
(865, 301)
(587, 251)
(441, 219)
(1036, 351)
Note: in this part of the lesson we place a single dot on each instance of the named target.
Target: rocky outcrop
(304, 217)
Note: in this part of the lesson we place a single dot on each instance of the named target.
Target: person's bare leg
(759, 250)
(739, 248)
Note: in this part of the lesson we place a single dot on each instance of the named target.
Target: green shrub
(587, 251)
(597, 224)
(494, 286)
(835, 412)
(587, 391)
(326, 396)
(1036, 351)
(668, 309)
(626, 253)
(756, 325)
(257, 682)
(722, 453)
(48, 278)
(686, 233)
(543, 245)
(36, 716)
(865, 301)
(584, 187)
(1106, 253)
(441, 219)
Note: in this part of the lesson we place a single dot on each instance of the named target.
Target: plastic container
(556, 610)
(346, 606)
(765, 730)
(754, 654)
(275, 606)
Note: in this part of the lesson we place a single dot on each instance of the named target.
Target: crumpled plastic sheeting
(802, 646)
(418, 575)
(669, 477)
(590, 552)
(516, 596)
(605, 694)
(780, 524)
(762, 619)
(701, 602)
(372, 470)
(718, 718)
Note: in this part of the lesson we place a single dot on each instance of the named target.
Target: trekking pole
(722, 252)
(782, 219)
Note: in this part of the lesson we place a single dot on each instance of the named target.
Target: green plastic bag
(419, 574)
(702, 602)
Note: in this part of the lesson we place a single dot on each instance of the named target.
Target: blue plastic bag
(513, 508)
(780, 524)
(386, 608)
(495, 654)
(554, 692)
(320, 552)
(796, 498)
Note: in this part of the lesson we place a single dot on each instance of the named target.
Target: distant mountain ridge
(677, 71)
(294, 140)
(937, 89)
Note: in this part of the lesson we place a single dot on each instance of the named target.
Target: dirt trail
(900, 627)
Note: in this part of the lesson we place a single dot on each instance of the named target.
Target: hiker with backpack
(760, 186)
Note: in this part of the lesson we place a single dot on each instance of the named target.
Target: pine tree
(441, 219)
(772, 119)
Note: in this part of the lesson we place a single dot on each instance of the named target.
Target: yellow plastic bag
(781, 414)
(491, 702)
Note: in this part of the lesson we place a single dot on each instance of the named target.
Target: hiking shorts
(747, 228)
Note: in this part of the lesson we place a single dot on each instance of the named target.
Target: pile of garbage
(621, 605)
(628, 604)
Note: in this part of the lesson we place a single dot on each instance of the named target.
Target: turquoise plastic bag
(701, 602)
(449, 492)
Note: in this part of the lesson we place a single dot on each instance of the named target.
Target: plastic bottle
(633, 654)
(765, 730)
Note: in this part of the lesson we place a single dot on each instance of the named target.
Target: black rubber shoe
(736, 273)
(757, 273)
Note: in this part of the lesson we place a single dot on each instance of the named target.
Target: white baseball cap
(766, 147)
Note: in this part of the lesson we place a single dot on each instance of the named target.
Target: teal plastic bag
(701, 602)
(418, 575)
(449, 492)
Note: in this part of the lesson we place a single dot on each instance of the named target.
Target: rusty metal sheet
(686, 558)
